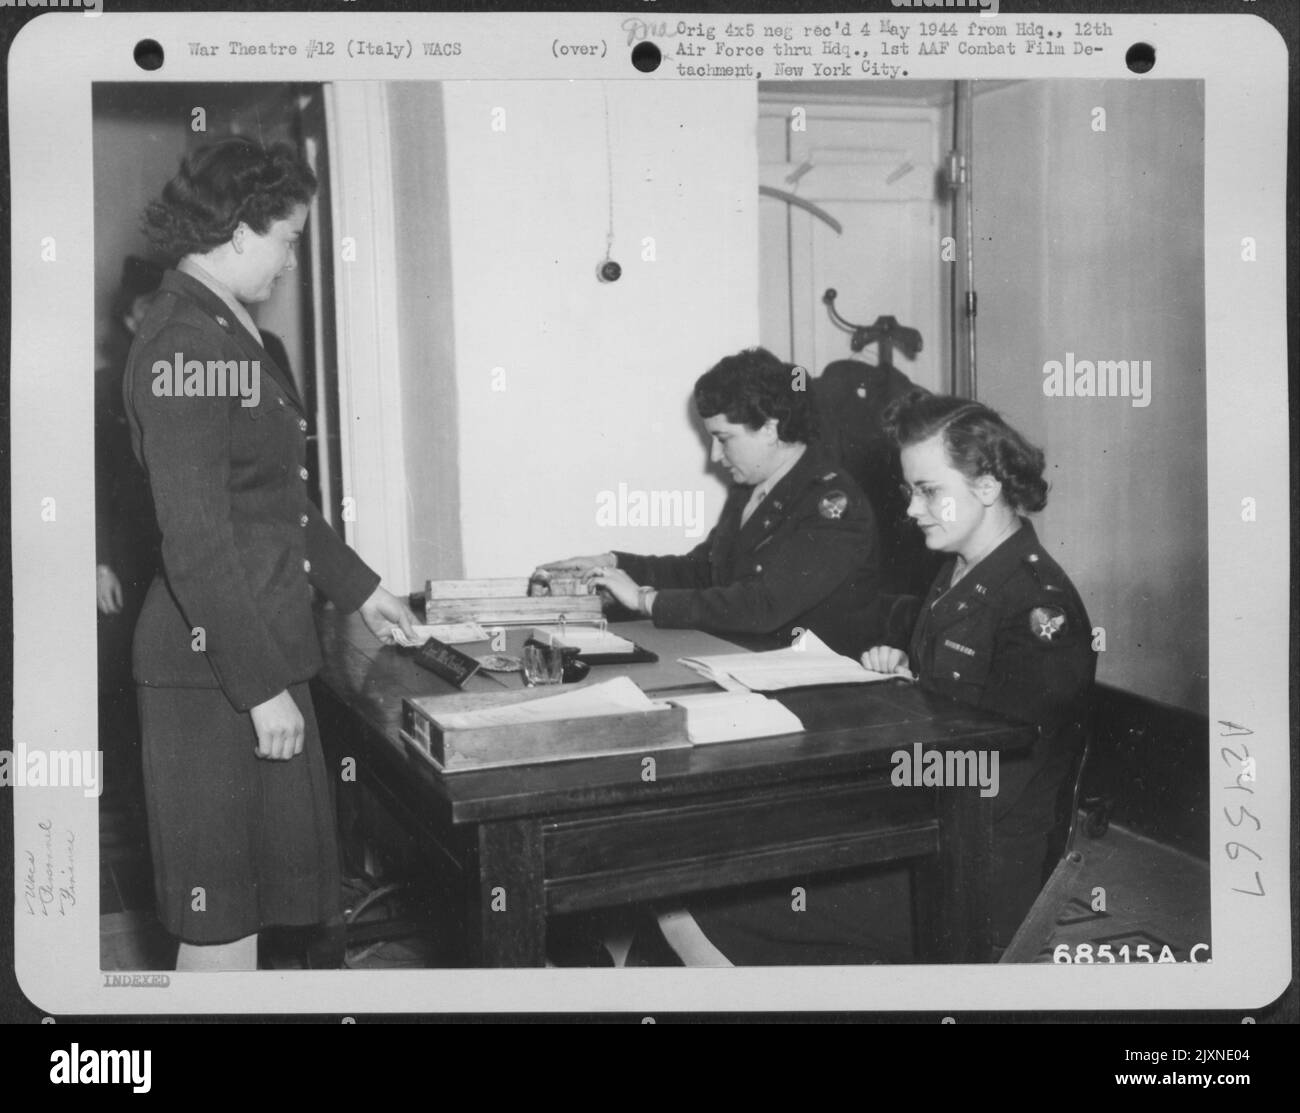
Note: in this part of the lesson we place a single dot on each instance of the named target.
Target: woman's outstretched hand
(382, 612)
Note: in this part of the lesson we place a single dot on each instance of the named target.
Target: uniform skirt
(239, 843)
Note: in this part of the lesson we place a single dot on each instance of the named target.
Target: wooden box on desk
(502, 602)
(464, 750)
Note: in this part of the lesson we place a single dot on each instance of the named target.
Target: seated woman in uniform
(1002, 629)
(796, 545)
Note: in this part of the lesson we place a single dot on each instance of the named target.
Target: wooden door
(876, 169)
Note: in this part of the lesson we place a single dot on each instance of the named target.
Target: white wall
(597, 376)
(1093, 243)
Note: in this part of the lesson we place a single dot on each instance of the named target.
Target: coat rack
(886, 333)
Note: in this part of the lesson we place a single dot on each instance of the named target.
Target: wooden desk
(506, 848)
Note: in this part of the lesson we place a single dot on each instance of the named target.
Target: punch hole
(149, 54)
(646, 57)
(1141, 57)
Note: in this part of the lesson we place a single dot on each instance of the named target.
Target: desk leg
(952, 890)
(507, 902)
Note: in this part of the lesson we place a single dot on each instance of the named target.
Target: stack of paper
(588, 640)
(613, 697)
(809, 662)
(728, 716)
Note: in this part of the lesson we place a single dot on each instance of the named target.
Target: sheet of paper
(811, 661)
(731, 716)
(457, 633)
(613, 697)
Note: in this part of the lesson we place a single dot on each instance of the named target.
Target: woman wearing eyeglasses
(1002, 629)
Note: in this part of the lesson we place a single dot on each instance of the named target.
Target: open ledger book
(809, 662)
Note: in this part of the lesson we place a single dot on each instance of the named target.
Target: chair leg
(687, 939)
(1037, 926)
(618, 944)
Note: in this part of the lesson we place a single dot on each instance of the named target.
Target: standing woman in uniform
(1002, 628)
(241, 817)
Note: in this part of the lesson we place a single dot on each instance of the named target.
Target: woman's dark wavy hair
(754, 386)
(977, 440)
(221, 185)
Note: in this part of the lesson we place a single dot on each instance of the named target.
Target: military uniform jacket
(1011, 637)
(807, 557)
(851, 398)
(241, 541)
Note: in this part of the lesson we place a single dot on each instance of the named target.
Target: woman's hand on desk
(886, 659)
(279, 727)
(575, 566)
(619, 584)
(383, 611)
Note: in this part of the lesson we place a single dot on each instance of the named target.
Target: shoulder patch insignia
(833, 505)
(1047, 624)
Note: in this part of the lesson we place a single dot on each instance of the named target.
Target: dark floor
(1154, 895)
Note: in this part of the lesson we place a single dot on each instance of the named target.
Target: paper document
(729, 716)
(458, 633)
(809, 662)
(588, 640)
(613, 697)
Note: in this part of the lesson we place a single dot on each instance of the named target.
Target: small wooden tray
(638, 656)
(458, 751)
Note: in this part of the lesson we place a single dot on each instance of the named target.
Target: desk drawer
(713, 843)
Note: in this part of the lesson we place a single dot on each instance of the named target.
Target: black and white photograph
(763, 511)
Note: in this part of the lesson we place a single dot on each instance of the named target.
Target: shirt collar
(201, 274)
(995, 567)
(769, 484)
